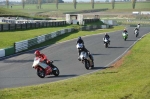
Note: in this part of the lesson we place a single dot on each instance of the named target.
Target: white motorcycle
(79, 45)
(136, 32)
(106, 42)
(43, 69)
(85, 57)
(138, 26)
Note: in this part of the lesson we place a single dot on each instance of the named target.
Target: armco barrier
(2, 52)
(32, 42)
(26, 44)
(87, 28)
(41, 39)
(20, 46)
(9, 51)
(7, 27)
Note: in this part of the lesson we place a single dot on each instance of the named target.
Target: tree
(57, 4)
(133, 4)
(75, 4)
(113, 4)
(23, 4)
(39, 4)
(92, 2)
(7, 3)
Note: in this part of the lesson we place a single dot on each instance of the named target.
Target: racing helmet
(37, 53)
(79, 37)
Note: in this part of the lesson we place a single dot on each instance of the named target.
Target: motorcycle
(79, 45)
(43, 69)
(125, 35)
(138, 26)
(136, 32)
(106, 42)
(86, 58)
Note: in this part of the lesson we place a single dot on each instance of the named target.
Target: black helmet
(79, 37)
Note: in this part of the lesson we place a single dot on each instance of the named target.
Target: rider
(80, 40)
(125, 31)
(138, 25)
(106, 37)
(84, 49)
(136, 28)
(43, 58)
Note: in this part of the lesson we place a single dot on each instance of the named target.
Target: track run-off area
(17, 71)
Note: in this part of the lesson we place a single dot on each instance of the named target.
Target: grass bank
(128, 79)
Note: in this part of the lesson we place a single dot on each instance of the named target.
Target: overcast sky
(63, 0)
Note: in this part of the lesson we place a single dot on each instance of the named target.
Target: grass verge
(131, 80)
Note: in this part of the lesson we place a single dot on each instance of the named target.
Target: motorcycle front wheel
(41, 73)
(106, 45)
(87, 64)
(55, 71)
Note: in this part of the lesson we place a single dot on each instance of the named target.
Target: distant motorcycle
(125, 35)
(106, 42)
(136, 32)
(43, 69)
(138, 26)
(86, 58)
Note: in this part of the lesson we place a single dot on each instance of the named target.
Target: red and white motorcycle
(44, 69)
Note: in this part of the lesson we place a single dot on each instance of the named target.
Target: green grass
(50, 9)
(129, 81)
(4, 11)
(8, 38)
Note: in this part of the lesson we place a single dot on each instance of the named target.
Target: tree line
(40, 2)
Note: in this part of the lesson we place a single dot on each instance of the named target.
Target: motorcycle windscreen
(79, 45)
(105, 40)
(123, 34)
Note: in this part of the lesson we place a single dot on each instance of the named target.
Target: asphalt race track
(17, 71)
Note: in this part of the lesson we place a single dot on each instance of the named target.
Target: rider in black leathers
(125, 31)
(136, 29)
(106, 37)
(82, 49)
(80, 41)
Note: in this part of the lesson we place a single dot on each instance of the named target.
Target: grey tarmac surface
(17, 71)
